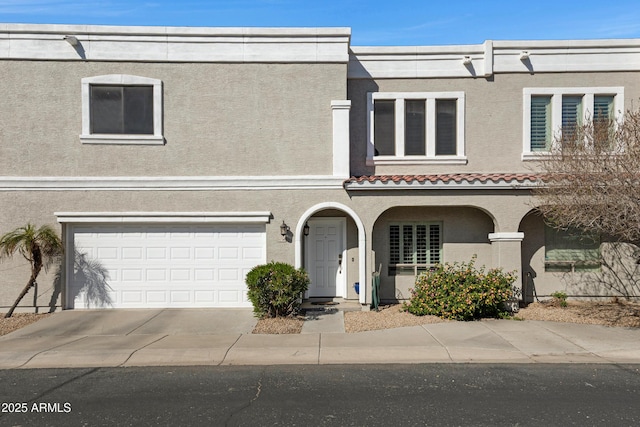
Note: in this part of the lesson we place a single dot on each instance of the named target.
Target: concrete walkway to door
(105, 338)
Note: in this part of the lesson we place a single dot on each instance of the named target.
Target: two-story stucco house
(176, 159)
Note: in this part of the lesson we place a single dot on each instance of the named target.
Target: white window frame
(121, 80)
(556, 93)
(430, 158)
(414, 266)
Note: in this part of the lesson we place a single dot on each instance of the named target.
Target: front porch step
(329, 321)
(330, 305)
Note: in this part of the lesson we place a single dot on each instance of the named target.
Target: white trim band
(506, 237)
(151, 183)
(165, 217)
(174, 44)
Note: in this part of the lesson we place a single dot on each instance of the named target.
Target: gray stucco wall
(493, 115)
(219, 119)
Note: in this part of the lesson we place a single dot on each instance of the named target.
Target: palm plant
(38, 246)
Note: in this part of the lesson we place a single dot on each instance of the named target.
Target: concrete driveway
(192, 321)
(118, 337)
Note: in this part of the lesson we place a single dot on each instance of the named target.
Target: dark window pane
(121, 109)
(138, 109)
(414, 128)
(106, 109)
(384, 118)
(446, 126)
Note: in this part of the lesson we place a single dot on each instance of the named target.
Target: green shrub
(275, 289)
(460, 291)
(559, 298)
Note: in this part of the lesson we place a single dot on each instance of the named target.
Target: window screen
(121, 109)
(446, 127)
(384, 128)
(414, 128)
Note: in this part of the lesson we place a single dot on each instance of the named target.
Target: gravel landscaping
(617, 313)
(18, 320)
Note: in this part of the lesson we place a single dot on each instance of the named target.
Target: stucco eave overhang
(174, 44)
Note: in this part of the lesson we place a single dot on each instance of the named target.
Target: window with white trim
(416, 128)
(121, 109)
(414, 247)
(551, 112)
(570, 251)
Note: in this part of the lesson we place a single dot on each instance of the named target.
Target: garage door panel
(168, 265)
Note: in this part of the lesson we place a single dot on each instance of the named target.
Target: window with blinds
(570, 251)
(540, 123)
(558, 112)
(571, 114)
(603, 122)
(414, 247)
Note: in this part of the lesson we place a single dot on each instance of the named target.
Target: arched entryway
(339, 219)
(407, 240)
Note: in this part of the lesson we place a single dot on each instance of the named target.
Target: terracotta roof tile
(446, 178)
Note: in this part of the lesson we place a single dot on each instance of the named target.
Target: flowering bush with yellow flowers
(460, 291)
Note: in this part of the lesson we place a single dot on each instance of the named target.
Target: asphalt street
(428, 394)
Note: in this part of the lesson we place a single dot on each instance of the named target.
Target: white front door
(325, 248)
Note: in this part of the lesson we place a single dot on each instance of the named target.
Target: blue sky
(373, 22)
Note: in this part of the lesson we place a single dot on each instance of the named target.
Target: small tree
(592, 178)
(38, 246)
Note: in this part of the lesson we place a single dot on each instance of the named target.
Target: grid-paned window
(556, 112)
(416, 127)
(414, 247)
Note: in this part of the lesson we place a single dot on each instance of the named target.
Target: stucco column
(506, 249)
(341, 138)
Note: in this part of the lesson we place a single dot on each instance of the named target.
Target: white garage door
(145, 266)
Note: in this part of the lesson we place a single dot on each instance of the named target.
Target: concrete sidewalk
(223, 337)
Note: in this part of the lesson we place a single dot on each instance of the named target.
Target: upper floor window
(121, 109)
(551, 113)
(416, 128)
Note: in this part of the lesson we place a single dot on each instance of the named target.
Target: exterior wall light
(284, 229)
(466, 60)
(72, 40)
(305, 229)
(524, 55)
